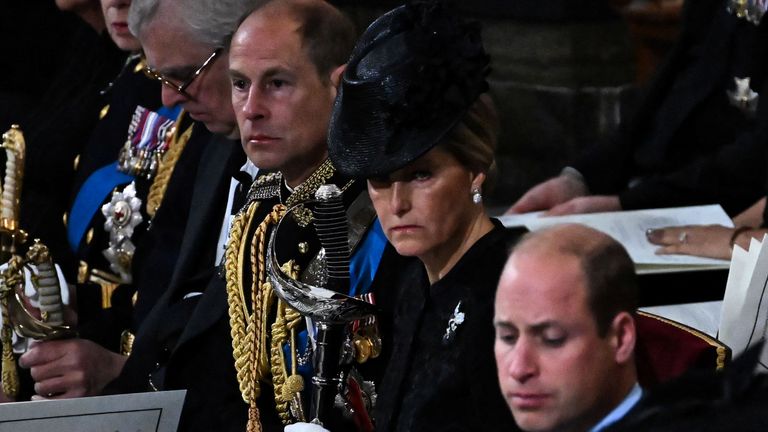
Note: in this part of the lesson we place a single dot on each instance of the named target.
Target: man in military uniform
(123, 186)
(181, 344)
(285, 73)
(55, 65)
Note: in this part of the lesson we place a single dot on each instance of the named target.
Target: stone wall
(558, 87)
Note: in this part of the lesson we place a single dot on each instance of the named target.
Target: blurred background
(564, 74)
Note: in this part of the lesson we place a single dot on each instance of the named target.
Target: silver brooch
(743, 97)
(453, 324)
(122, 215)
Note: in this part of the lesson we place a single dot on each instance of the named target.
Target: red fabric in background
(666, 349)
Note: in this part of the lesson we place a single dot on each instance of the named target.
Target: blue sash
(89, 199)
(96, 189)
(365, 261)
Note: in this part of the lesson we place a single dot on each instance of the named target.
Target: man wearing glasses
(186, 343)
(117, 292)
(184, 44)
(203, 102)
(182, 84)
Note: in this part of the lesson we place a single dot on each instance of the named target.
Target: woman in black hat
(413, 117)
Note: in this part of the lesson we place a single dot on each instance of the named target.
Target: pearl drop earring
(477, 196)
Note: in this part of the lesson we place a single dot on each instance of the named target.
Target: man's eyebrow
(234, 73)
(503, 324)
(272, 71)
(264, 76)
(540, 327)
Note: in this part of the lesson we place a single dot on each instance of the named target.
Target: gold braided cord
(249, 330)
(292, 317)
(264, 297)
(306, 190)
(254, 419)
(287, 384)
(257, 345)
(279, 337)
(165, 170)
(237, 309)
(261, 299)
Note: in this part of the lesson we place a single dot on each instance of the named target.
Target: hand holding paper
(629, 228)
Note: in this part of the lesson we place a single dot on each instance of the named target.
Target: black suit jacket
(733, 400)
(58, 125)
(687, 144)
(185, 343)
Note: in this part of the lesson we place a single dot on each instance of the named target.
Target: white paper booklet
(146, 412)
(744, 315)
(628, 227)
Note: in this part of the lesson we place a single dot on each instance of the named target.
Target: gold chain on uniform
(249, 330)
(306, 191)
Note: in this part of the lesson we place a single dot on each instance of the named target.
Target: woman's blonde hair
(473, 140)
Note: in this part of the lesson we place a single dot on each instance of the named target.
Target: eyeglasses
(181, 88)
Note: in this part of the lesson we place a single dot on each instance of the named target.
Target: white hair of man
(211, 22)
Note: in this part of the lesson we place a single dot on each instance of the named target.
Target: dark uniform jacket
(59, 121)
(733, 400)
(157, 239)
(185, 342)
(130, 89)
(687, 144)
(301, 244)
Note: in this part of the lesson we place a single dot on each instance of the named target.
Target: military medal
(453, 324)
(122, 215)
(146, 143)
(743, 97)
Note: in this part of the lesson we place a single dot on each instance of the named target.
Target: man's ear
(623, 337)
(336, 76)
